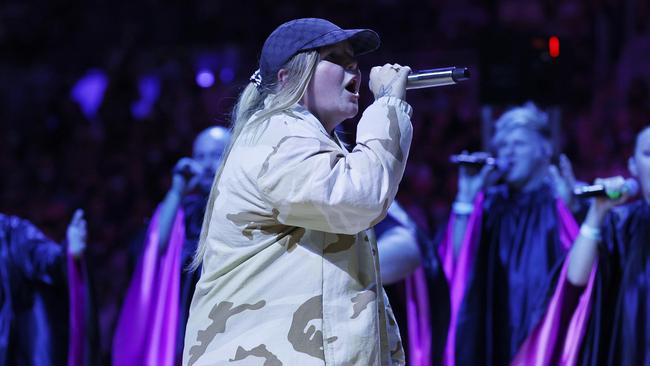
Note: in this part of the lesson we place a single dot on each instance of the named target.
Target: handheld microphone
(436, 77)
(631, 187)
(472, 160)
(186, 172)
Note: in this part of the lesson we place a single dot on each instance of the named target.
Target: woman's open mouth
(352, 86)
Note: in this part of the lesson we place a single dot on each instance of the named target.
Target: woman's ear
(283, 74)
(631, 166)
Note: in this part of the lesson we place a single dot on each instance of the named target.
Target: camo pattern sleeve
(314, 184)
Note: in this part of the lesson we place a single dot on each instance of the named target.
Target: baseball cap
(307, 34)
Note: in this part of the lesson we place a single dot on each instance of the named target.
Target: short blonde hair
(527, 116)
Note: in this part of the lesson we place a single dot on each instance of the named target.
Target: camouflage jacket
(291, 271)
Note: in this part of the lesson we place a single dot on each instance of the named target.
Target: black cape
(518, 257)
(194, 208)
(618, 332)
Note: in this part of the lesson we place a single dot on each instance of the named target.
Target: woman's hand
(187, 174)
(601, 205)
(564, 180)
(389, 80)
(472, 180)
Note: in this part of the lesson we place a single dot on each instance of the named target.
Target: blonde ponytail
(300, 69)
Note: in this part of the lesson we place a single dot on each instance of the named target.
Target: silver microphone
(479, 161)
(631, 187)
(472, 160)
(436, 77)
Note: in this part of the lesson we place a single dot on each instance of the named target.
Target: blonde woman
(290, 272)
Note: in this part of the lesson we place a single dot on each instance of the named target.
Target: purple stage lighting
(205, 78)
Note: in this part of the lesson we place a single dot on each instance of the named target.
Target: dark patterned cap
(307, 34)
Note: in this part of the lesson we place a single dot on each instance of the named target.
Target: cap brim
(361, 40)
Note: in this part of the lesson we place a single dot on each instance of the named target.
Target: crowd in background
(98, 100)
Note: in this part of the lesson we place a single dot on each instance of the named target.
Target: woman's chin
(351, 111)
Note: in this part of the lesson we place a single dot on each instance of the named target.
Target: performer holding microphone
(161, 289)
(608, 267)
(619, 239)
(290, 272)
(504, 242)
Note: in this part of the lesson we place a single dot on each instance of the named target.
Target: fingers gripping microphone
(436, 77)
(630, 187)
(186, 172)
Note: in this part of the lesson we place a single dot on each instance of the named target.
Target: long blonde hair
(300, 69)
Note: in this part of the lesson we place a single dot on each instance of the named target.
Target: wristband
(590, 232)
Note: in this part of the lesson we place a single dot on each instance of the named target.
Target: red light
(554, 47)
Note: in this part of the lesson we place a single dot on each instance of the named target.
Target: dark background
(99, 99)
